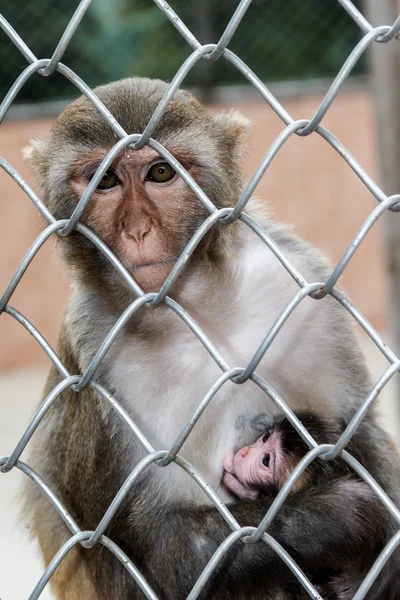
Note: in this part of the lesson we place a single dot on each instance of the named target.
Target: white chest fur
(163, 383)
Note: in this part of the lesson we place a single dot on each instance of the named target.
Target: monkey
(235, 288)
(265, 466)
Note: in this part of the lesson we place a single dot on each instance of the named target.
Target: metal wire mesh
(315, 290)
(135, 31)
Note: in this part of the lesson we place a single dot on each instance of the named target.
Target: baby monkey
(263, 468)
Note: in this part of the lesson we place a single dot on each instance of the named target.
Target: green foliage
(278, 40)
(41, 24)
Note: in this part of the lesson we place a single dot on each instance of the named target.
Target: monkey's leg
(310, 526)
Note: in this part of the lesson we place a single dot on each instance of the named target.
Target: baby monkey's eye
(108, 181)
(265, 437)
(266, 460)
(160, 173)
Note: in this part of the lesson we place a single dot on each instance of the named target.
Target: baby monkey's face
(261, 467)
(265, 466)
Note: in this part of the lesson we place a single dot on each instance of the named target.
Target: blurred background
(296, 48)
(123, 38)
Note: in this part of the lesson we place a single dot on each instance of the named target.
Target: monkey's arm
(312, 526)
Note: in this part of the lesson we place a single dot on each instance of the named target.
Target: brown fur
(81, 472)
(81, 448)
(214, 164)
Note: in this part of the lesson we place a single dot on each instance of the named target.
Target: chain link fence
(219, 52)
(124, 37)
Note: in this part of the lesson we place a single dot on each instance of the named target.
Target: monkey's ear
(35, 154)
(235, 126)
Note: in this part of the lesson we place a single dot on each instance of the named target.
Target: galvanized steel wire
(316, 290)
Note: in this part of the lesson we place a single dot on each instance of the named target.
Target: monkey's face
(142, 209)
(263, 466)
(266, 465)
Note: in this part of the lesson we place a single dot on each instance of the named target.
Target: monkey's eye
(161, 172)
(266, 460)
(108, 181)
(265, 437)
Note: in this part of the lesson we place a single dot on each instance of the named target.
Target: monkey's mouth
(158, 263)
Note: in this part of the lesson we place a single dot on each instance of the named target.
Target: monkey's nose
(266, 460)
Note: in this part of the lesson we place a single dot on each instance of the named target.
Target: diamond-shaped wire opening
(316, 290)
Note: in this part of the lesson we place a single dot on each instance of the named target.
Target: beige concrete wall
(307, 185)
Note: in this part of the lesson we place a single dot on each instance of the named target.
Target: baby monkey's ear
(36, 155)
(235, 128)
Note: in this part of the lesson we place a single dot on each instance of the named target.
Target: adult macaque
(262, 469)
(158, 370)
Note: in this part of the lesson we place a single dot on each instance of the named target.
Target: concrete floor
(20, 566)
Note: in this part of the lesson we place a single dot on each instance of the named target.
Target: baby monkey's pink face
(262, 466)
